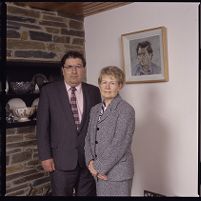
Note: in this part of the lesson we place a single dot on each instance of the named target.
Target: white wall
(165, 142)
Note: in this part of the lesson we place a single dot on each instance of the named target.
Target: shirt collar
(78, 87)
(104, 105)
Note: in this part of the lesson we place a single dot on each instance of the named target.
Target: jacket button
(96, 142)
(97, 129)
(95, 155)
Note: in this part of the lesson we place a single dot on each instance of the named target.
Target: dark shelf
(12, 95)
(26, 71)
(21, 124)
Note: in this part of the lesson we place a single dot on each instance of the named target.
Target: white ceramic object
(35, 103)
(16, 102)
(36, 89)
(23, 113)
(7, 87)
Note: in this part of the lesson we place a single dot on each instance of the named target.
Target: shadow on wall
(151, 145)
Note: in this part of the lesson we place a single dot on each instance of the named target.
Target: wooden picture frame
(145, 55)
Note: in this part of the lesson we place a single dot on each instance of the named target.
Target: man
(144, 56)
(61, 130)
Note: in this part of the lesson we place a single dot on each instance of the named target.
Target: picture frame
(145, 55)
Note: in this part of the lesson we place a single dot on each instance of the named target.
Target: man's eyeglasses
(70, 67)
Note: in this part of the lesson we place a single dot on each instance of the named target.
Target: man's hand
(48, 165)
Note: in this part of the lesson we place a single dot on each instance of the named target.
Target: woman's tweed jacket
(108, 142)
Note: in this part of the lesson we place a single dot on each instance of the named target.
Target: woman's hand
(92, 169)
(100, 176)
(94, 172)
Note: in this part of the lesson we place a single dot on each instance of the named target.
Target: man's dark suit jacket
(56, 132)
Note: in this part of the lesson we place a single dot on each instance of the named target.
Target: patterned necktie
(74, 107)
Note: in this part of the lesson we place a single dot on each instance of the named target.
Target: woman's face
(109, 87)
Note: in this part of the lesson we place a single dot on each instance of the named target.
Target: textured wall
(34, 34)
(24, 175)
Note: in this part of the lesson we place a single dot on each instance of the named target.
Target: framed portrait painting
(145, 55)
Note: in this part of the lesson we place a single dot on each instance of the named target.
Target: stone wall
(24, 175)
(34, 35)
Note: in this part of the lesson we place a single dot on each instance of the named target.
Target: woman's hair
(114, 71)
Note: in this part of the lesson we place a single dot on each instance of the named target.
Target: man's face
(73, 71)
(144, 57)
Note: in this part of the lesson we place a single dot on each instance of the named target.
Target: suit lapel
(65, 104)
(105, 114)
(85, 105)
(97, 114)
(112, 106)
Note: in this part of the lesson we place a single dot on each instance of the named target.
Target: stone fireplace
(35, 36)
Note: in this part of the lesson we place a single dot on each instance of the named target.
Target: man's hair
(114, 71)
(145, 44)
(73, 54)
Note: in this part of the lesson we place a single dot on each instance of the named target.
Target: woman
(109, 137)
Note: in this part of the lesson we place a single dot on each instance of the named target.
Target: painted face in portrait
(144, 57)
(73, 71)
